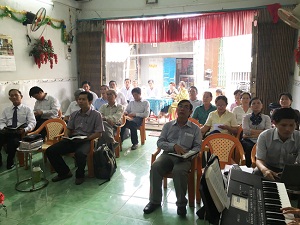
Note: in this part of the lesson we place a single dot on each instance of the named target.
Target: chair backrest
(225, 146)
(253, 158)
(195, 121)
(54, 128)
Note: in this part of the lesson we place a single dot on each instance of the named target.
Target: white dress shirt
(49, 106)
(24, 115)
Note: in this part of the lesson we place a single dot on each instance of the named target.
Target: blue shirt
(99, 102)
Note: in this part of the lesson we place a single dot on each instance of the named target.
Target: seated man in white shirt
(46, 107)
(120, 96)
(152, 92)
(136, 111)
(193, 92)
(86, 85)
(14, 116)
(126, 90)
(112, 113)
(73, 105)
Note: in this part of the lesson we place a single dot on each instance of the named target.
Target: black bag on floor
(104, 163)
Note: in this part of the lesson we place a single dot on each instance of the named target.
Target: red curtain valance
(206, 26)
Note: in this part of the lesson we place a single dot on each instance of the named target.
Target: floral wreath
(43, 52)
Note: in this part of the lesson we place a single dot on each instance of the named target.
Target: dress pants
(132, 125)
(179, 168)
(12, 140)
(55, 152)
(108, 135)
(247, 146)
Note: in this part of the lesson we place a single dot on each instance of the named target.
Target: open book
(214, 181)
(186, 155)
(23, 125)
(76, 138)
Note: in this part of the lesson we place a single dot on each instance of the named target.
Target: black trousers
(12, 141)
(132, 125)
(55, 152)
(247, 146)
(39, 122)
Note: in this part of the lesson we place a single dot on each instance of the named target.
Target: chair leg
(191, 189)
(143, 136)
(90, 164)
(117, 151)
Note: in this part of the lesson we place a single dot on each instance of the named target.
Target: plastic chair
(195, 122)
(55, 129)
(224, 146)
(118, 137)
(191, 178)
(253, 157)
(239, 132)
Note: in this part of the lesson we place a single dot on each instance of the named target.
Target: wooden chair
(118, 137)
(191, 178)
(142, 129)
(222, 145)
(195, 122)
(253, 157)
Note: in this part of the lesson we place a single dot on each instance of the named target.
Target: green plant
(43, 52)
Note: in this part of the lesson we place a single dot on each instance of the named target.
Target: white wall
(61, 81)
(101, 9)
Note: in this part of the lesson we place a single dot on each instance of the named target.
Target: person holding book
(179, 136)
(15, 122)
(84, 122)
(112, 113)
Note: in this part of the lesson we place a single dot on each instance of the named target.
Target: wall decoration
(43, 52)
(21, 17)
(7, 58)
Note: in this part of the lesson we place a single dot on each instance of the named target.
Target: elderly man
(178, 136)
(84, 122)
(136, 111)
(120, 96)
(112, 113)
(17, 115)
(278, 146)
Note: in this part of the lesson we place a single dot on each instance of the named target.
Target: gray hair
(77, 92)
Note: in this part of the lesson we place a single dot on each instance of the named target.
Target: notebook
(290, 175)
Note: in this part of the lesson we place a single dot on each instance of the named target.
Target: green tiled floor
(117, 202)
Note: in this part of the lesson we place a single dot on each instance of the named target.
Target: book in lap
(187, 155)
(82, 137)
(23, 125)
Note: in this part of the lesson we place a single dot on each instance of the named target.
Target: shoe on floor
(181, 210)
(150, 207)
(10, 166)
(59, 178)
(79, 181)
(134, 147)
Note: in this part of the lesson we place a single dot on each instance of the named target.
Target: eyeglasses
(184, 107)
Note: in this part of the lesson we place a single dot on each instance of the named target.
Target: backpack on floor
(104, 163)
